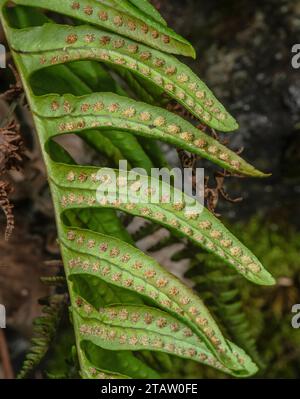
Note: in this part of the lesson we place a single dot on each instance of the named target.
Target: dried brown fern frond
(11, 158)
(5, 189)
(11, 148)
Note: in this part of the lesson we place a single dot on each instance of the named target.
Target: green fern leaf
(99, 267)
(83, 42)
(137, 27)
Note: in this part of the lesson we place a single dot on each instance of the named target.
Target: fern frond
(103, 267)
(222, 293)
(141, 328)
(198, 224)
(44, 330)
(110, 17)
(110, 111)
(73, 44)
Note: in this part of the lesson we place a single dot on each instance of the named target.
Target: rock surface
(244, 55)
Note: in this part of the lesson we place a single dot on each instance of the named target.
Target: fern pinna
(122, 301)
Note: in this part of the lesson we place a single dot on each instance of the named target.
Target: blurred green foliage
(257, 318)
(264, 312)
